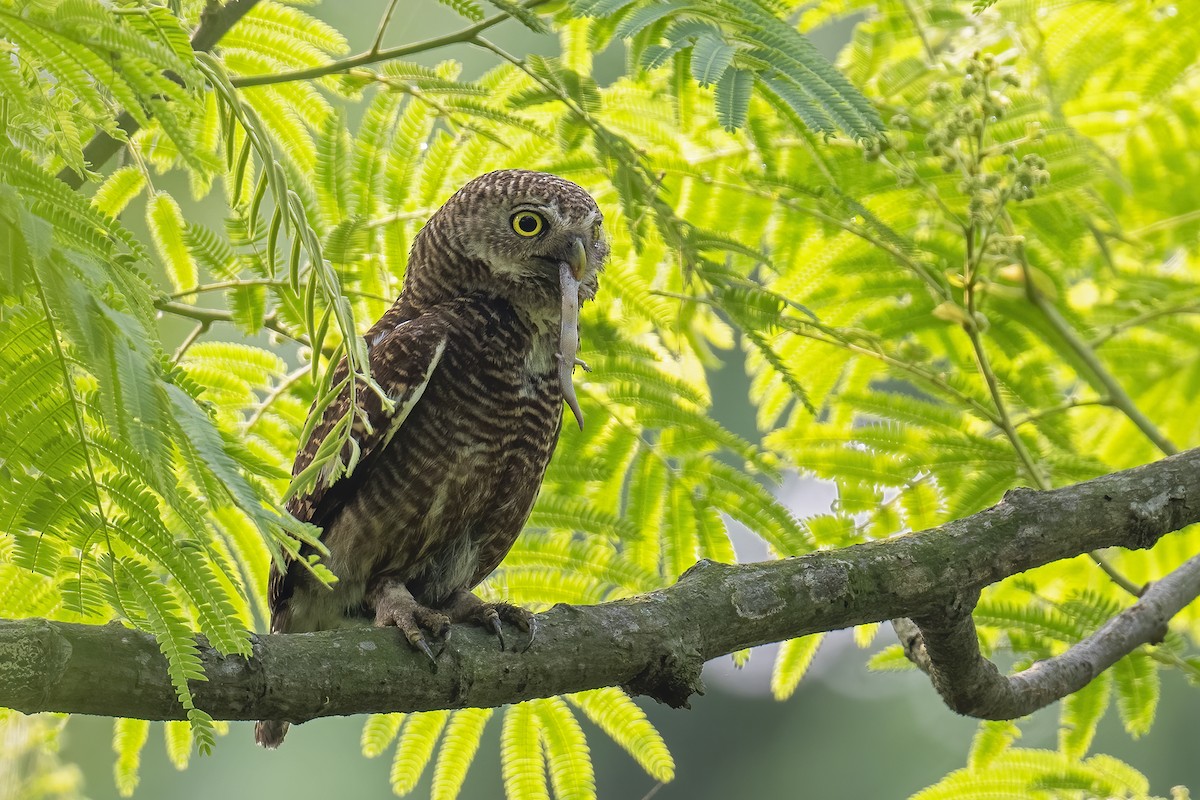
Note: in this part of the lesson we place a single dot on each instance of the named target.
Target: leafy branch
(1117, 396)
(376, 55)
(215, 22)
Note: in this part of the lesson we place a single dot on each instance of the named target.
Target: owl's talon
(532, 633)
(395, 606)
(494, 619)
(466, 607)
(423, 646)
(523, 618)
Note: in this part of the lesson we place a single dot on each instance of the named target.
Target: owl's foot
(464, 606)
(395, 605)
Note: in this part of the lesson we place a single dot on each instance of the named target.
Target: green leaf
(567, 756)
(992, 740)
(646, 16)
(118, 190)
(521, 761)
(615, 713)
(1081, 713)
(711, 56)
(417, 740)
(379, 731)
(458, 749)
(129, 737)
(165, 221)
(733, 97)
(1137, 683)
(178, 736)
(795, 657)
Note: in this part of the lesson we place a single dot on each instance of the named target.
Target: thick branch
(215, 22)
(653, 644)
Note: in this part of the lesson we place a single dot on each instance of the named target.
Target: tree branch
(215, 22)
(947, 649)
(375, 55)
(653, 644)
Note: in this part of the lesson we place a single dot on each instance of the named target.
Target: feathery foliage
(1001, 290)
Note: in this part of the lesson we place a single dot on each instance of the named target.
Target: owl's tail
(269, 733)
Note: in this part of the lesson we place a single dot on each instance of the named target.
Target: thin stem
(653, 790)
(399, 216)
(971, 327)
(1116, 577)
(920, 29)
(1133, 322)
(1005, 420)
(383, 26)
(1166, 224)
(1099, 374)
(211, 315)
(896, 253)
(207, 315)
(230, 284)
(200, 329)
(834, 338)
(931, 191)
(274, 395)
(375, 55)
(1067, 405)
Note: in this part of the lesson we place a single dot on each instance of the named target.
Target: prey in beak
(570, 274)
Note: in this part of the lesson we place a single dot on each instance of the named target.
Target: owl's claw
(532, 633)
(394, 605)
(424, 648)
(521, 617)
(466, 607)
(494, 620)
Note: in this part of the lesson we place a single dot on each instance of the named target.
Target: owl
(476, 358)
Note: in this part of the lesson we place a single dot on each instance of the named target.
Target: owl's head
(508, 233)
(531, 238)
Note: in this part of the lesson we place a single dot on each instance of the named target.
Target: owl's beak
(570, 274)
(577, 258)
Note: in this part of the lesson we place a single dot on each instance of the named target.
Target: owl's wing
(403, 358)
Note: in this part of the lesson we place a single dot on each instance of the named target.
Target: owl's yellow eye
(527, 223)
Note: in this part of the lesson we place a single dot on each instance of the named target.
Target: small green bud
(939, 91)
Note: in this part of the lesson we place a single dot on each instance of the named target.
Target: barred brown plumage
(476, 357)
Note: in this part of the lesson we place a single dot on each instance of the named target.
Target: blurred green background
(846, 733)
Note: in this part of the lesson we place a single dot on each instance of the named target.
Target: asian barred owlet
(476, 356)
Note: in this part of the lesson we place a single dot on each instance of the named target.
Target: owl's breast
(451, 491)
